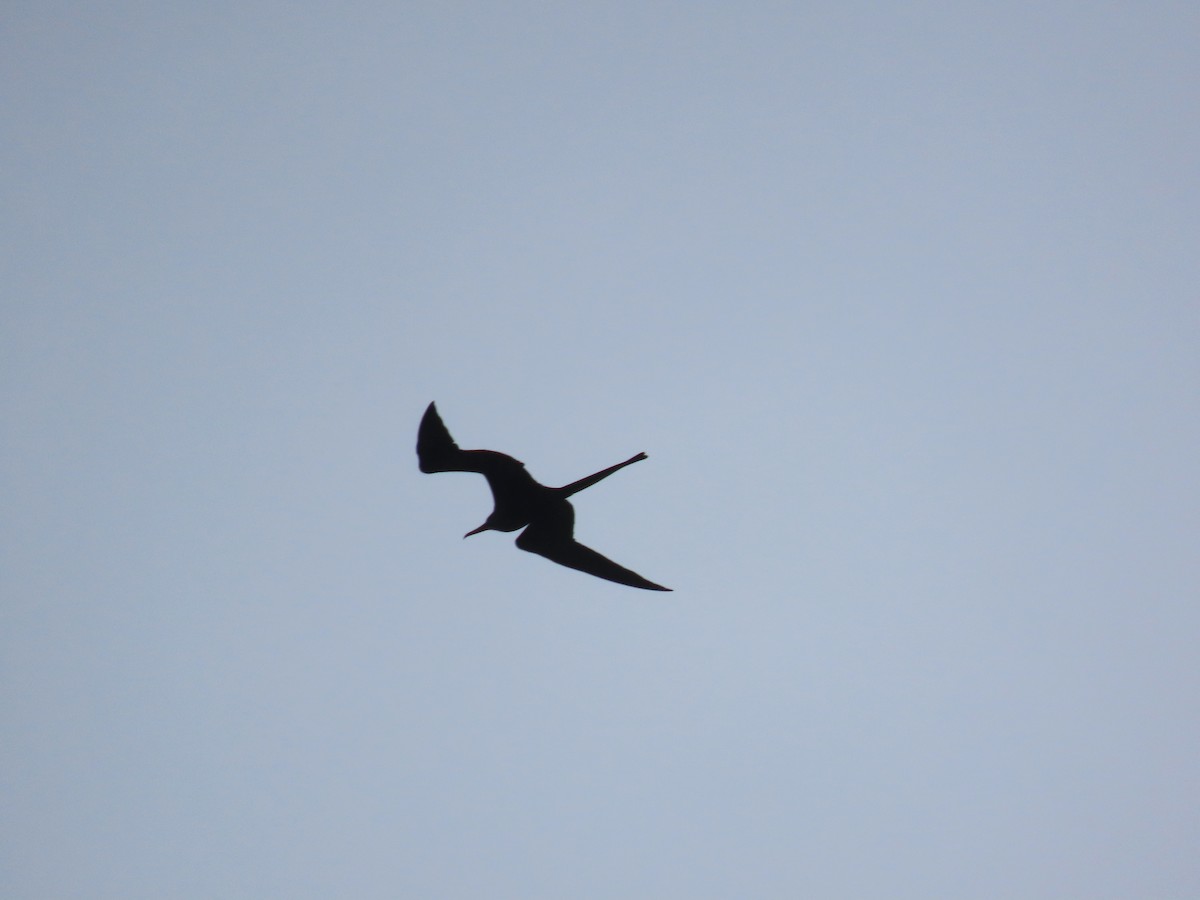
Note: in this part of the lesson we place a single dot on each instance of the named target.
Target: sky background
(900, 299)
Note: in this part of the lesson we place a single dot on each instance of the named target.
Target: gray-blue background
(901, 300)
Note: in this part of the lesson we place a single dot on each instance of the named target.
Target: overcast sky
(901, 300)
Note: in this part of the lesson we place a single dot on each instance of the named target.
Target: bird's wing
(437, 452)
(557, 544)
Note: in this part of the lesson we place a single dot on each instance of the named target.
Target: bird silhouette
(521, 502)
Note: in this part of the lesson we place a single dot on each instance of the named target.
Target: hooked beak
(482, 527)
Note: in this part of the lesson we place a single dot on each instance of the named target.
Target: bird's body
(521, 502)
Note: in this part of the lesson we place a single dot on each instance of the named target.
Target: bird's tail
(576, 486)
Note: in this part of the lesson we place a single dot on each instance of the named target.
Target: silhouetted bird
(544, 513)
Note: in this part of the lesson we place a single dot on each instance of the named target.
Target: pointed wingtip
(435, 447)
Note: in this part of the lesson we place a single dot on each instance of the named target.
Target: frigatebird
(521, 502)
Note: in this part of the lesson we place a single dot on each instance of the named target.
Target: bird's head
(486, 526)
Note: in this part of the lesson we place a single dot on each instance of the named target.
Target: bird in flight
(521, 502)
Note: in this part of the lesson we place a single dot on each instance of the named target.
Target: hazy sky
(900, 299)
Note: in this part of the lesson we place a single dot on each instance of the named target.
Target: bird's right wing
(437, 452)
(566, 551)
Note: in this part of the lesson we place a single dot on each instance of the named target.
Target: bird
(545, 514)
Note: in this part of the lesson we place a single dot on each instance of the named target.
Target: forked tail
(576, 486)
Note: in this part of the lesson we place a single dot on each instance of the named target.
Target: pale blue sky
(900, 299)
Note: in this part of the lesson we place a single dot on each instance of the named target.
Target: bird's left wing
(563, 549)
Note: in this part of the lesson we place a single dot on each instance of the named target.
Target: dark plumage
(521, 502)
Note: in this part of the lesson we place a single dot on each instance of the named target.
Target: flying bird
(520, 502)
